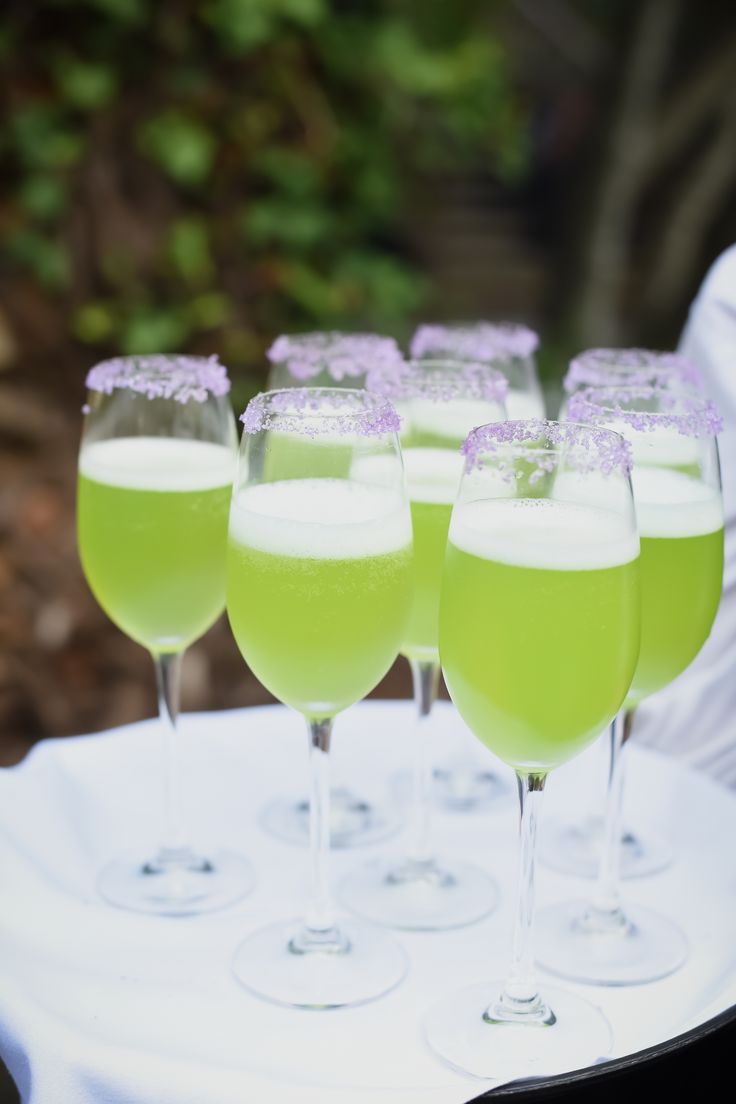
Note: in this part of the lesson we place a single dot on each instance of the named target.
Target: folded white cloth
(102, 1006)
(695, 717)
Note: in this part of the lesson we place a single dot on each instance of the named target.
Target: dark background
(200, 176)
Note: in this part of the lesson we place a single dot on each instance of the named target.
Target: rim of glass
(337, 352)
(161, 376)
(604, 450)
(443, 379)
(595, 367)
(691, 415)
(303, 410)
(479, 340)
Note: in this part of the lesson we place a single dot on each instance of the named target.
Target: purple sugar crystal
(479, 341)
(439, 381)
(606, 367)
(689, 415)
(587, 448)
(341, 355)
(312, 411)
(159, 376)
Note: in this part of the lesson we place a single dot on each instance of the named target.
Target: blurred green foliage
(190, 173)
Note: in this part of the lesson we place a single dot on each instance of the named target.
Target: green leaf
(43, 197)
(183, 147)
(85, 85)
(189, 249)
(153, 330)
(41, 255)
(93, 322)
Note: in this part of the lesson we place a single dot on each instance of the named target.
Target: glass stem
(520, 998)
(319, 924)
(425, 679)
(168, 678)
(606, 905)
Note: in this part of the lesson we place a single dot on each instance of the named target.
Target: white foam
(453, 419)
(158, 463)
(662, 445)
(543, 533)
(321, 518)
(433, 474)
(521, 405)
(672, 504)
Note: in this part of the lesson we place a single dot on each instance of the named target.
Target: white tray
(100, 1005)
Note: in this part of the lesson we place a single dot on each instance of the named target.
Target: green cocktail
(539, 631)
(152, 530)
(433, 475)
(681, 529)
(318, 592)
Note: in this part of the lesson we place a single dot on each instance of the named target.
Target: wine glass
(318, 595)
(575, 848)
(439, 401)
(460, 783)
(156, 465)
(677, 493)
(330, 359)
(539, 634)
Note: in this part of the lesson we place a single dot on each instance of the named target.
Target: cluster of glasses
(560, 571)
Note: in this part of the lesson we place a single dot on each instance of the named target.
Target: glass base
(465, 1032)
(354, 821)
(177, 884)
(461, 787)
(419, 896)
(576, 849)
(575, 943)
(359, 964)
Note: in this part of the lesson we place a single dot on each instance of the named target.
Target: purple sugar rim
(602, 450)
(593, 368)
(301, 410)
(695, 417)
(479, 341)
(341, 355)
(161, 376)
(438, 381)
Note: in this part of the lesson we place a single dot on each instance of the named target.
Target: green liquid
(681, 580)
(319, 634)
(318, 629)
(430, 522)
(155, 559)
(537, 660)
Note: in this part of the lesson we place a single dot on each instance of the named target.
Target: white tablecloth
(101, 1006)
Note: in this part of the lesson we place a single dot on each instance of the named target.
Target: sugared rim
(312, 411)
(339, 354)
(690, 415)
(599, 367)
(479, 341)
(586, 447)
(438, 381)
(161, 376)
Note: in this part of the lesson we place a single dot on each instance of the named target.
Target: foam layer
(672, 504)
(543, 533)
(521, 405)
(320, 519)
(661, 445)
(453, 419)
(158, 463)
(433, 474)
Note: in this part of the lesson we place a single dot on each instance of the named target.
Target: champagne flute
(439, 401)
(318, 596)
(329, 359)
(575, 848)
(677, 493)
(461, 784)
(156, 466)
(539, 634)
